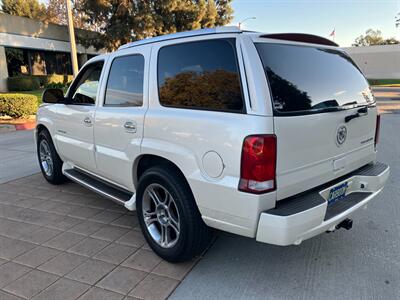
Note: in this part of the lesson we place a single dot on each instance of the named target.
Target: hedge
(23, 83)
(18, 105)
(34, 82)
(383, 81)
(46, 80)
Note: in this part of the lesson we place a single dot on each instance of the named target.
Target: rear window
(200, 75)
(308, 79)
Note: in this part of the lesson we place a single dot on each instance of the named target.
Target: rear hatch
(324, 114)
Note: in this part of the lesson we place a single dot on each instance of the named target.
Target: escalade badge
(341, 135)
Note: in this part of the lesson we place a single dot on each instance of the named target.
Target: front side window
(200, 75)
(84, 91)
(125, 82)
(309, 79)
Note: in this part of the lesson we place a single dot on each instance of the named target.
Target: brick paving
(65, 242)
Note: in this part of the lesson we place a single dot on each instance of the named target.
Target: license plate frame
(338, 192)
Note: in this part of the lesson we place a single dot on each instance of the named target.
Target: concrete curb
(14, 127)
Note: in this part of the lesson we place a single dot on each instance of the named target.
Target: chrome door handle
(87, 121)
(130, 127)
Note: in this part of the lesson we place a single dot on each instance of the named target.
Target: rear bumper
(303, 216)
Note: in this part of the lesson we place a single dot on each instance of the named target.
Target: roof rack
(166, 37)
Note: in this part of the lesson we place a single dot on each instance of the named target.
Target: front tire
(168, 215)
(49, 161)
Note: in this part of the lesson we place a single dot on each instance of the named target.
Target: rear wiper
(360, 112)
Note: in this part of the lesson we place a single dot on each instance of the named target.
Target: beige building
(377, 62)
(34, 48)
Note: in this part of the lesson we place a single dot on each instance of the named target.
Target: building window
(64, 65)
(36, 62)
(17, 61)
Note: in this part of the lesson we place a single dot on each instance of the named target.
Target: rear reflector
(377, 129)
(258, 165)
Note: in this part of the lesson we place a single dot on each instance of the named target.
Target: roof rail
(166, 37)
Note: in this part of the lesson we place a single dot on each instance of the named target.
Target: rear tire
(49, 161)
(172, 225)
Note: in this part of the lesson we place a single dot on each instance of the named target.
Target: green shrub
(46, 80)
(18, 105)
(55, 85)
(383, 81)
(23, 83)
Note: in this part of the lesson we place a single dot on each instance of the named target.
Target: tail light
(377, 129)
(258, 165)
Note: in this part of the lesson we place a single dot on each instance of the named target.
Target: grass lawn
(384, 82)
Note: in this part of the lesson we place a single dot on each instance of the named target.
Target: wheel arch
(44, 123)
(39, 128)
(146, 161)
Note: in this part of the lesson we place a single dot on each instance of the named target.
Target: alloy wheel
(45, 157)
(161, 216)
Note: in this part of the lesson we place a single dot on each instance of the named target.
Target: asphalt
(17, 155)
(363, 263)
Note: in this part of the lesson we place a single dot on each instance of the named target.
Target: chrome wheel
(45, 158)
(161, 215)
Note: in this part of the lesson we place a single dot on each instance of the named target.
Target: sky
(349, 18)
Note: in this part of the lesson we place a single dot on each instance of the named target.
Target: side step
(105, 189)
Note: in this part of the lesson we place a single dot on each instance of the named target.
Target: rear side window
(125, 82)
(200, 75)
(308, 79)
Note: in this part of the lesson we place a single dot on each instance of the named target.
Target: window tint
(85, 90)
(125, 82)
(312, 79)
(200, 75)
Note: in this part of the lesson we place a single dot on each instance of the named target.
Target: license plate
(337, 193)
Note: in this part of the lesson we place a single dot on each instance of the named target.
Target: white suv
(269, 136)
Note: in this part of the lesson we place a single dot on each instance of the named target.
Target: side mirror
(53, 96)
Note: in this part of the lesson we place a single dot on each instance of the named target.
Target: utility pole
(241, 22)
(74, 57)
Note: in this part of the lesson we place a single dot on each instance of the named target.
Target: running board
(103, 188)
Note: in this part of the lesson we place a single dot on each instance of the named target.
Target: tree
(24, 8)
(123, 21)
(56, 12)
(373, 37)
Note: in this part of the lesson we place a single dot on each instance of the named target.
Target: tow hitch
(346, 224)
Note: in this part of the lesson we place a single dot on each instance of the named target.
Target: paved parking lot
(64, 242)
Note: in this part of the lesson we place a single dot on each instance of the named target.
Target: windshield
(307, 79)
